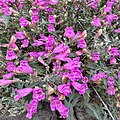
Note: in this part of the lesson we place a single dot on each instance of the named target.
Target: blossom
(51, 19)
(51, 28)
(75, 75)
(55, 103)
(35, 19)
(72, 64)
(102, 74)
(119, 74)
(23, 22)
(95, 56)
(111, 90)
(96, 77)
(69, 32)
(114, 51)
(93, 3)
(8, 75)
(49, 43)
(96, 22)
(10, 66)
(111, 80)
(110, 18)
(38, 94)
(58, 49)
(117, 30)
(31, 108)
(25, 43)
(64, 111)
(53, 2)
(81, 88)
(37, 43)
(85, 79)
(81, 43)
(22, 93)
(20, 35)
(4, 82)
(65, 89)
(11, 55)
(113, 60)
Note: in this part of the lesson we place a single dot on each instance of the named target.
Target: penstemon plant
(63, 52)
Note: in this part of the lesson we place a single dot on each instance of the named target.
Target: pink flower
(96, 22)
(22, 93)
(95, 56)
(20, 35)
(49, 43)
(65, 89)
(113, 60)
(96, 77)
(93, 3)
(38, 94)
(85, 79)
(23, 22)
(72, 64)
(114, 51)
(51, 19)
(11, 55)
(4, 82)
(31, 108)
(110, 18)
(69, 32)
(35, 19)
(8, 75)
(51, 28)
(111, 80)
(81, 43)
(10, 67)
(81, 88)
(111, 90)
(37, 43)
(117, 30)
(58, 49)
(64, 111)
(119, 74)
(55, 103)
(53, 2)
(75, 75)
(25, 43)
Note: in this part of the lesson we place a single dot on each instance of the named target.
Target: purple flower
(102, 75)
(96, 22)
(50, 43)
(117, 30)
(111, 80)
(85, 79)
(75, 75)
(8, 75)
(64, 111)
(113, 60)
(65, 89)
(31, 108)
(93, 3)
(114, 51)
(111, 90)
(81, 88)
(69, 32)
(51, 28)
(72, 64)
(24, 67)
(22, 93)
(23, 22)
(53, 2)
(25, 43)
(4, 82)
(35, 19)
(38, 94)
(81, 43)
(35, 12)
(11, 55)
(58, 49)
(110, 18)
(10, 67)
(96, 77)
(20, 35)
(51, 19)
(95, 56)
(55, 103)
(38, 43)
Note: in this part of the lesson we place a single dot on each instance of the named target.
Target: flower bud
(64, 79)
(50, 90)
